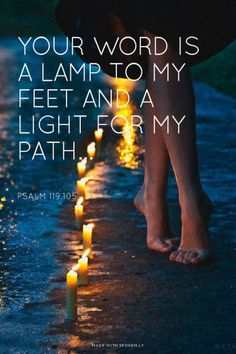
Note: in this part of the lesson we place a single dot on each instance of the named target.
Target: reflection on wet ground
(129, 147)
(131, 290)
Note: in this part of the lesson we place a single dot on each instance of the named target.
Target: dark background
(23, 17)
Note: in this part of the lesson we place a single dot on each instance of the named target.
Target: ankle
(192, 206)
(154, 190)
(192, 194)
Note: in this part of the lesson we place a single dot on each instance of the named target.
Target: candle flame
(72, 278)
(86, 253)
(91, 146)
(98, 133)
(91, 150)
(76, 267)
(82, 161)
(80, 201)
(83, 180)
(89, 226)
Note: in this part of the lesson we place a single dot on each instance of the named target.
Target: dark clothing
(213, 22)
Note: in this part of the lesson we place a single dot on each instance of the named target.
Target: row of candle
(78, 275)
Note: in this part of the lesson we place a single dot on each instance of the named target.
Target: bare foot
(155, 210)
(195, 247)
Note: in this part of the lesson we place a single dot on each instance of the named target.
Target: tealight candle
(91, 150)
(83, 271)
(71, 295)
(87, 238)
(81, 186)
(81, 167)
(98, 137)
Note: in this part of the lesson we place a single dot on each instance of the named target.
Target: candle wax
(83, 271)
(71, 295)
(79, 215)
(87, 238)
(81, 186)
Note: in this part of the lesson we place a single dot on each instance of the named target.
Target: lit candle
(79, 212)
(83, 271)
(71, 295)
(87, 238)
(81, 186)
(98, 136)
(91, 150)
(81, 167)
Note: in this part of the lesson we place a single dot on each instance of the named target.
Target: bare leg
(151, 200)
(178, 98)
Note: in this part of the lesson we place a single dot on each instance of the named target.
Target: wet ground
(137, 301)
